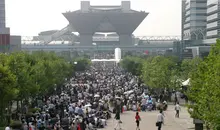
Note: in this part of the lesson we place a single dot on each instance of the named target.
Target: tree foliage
(7, 89)
(158, 71)
(188, 66)
(132, 64)
(205, 88)
(81, 63)
(26, 76)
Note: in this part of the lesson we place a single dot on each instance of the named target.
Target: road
(148, 120)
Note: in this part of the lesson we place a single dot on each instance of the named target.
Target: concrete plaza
(148, 120)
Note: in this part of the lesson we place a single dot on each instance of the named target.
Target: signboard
(187, 54)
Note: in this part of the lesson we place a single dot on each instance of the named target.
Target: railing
(55, 40)
(159, 38)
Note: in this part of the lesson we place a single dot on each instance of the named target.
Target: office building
(4, 32)
(213, 20)
(194, 19)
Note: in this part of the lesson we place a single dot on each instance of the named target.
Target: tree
(26, 76)
(157, 71)
(205, 89)
(50, 71)
(80, 64)
(18, 66)
(132, 64)
(7, 90)
(188, 66)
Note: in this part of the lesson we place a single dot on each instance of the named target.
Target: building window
(199, 8)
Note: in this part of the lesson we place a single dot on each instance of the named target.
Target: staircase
(56, 35)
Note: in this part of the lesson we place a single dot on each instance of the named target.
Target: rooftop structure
(103, 19)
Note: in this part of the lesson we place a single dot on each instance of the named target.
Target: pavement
(148, 120)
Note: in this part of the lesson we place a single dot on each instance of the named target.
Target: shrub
(16, 124)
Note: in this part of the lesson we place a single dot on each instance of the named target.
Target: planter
(198, 124)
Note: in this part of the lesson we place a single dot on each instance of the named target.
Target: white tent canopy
(186, 83)
(105, 60)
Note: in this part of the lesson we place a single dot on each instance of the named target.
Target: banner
(146, 52)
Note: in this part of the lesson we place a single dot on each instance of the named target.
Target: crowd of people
(89, 98)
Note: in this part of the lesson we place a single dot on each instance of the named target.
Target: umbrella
(97, 96)
(89, 109)
(88, 105)
(186, 83)
(146, 96)
(118, 97)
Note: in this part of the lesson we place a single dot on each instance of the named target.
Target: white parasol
(97, 96)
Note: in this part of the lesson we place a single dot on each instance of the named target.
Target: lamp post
(135, 48)
(94, 44)
(55, 88)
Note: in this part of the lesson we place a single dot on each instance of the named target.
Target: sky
(29, 17)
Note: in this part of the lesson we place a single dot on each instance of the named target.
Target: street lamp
(55, 87)
(95, 44)
(136, 47)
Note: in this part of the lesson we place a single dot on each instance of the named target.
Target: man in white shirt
(76, 109)
(160, 120)
(177, 108)
(143, 104)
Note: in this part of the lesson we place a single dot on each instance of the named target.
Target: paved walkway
(149, 119)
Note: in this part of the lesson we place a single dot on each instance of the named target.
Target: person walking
(118, 121)
(138, 119)
(160, 120)
(177, 108)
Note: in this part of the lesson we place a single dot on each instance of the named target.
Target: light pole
(55, 88)
(94, 44)
(136, 45)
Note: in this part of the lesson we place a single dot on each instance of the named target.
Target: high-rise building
(194, 14)
(4, 32)
(2, 13)
(213, 20)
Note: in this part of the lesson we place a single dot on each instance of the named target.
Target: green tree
(188, 66)
(7, 91)
(30, 76)
(157, 71)
(205, 89)
(18, 66)
(132, 64)
(50, 70)
(80, 64)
